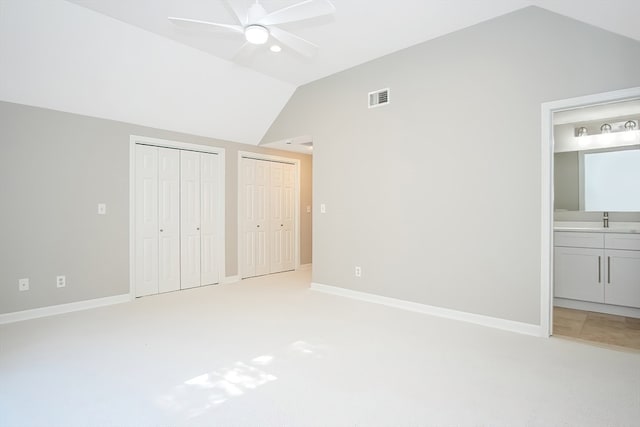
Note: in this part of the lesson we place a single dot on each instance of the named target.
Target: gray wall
(437, 195)
(55, 168)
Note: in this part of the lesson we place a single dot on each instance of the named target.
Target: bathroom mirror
(598, 180)
(597, 158)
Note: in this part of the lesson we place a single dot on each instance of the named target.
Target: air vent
(379, 98)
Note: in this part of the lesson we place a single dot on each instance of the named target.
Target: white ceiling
(123, 60)
(360, 30)
(58, 55)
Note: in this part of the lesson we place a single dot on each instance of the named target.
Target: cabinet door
(578, 274)
(622, 278)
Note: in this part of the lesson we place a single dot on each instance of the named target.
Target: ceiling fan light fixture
(256, 34)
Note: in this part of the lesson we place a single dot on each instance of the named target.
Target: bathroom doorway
(591, 289)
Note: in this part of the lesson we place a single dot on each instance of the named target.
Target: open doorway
(593, 286)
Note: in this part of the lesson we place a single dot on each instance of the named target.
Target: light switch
(308, 209)
(102, 209)
(323, 208)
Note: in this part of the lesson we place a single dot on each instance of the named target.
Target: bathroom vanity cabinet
(598, 267)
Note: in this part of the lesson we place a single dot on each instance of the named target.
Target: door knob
(281, 225)
(198, 228)
(258, 225)
(161, 230)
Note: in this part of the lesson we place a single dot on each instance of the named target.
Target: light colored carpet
(270, 352)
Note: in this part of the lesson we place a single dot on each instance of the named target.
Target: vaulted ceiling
(124, 60)
(360, 30)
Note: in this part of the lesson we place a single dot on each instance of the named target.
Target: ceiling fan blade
(240, 12)
(204, 25)
(294, 42)
(299, 11)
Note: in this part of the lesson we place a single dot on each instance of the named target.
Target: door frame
(547, 150)
(296, 213)
(220, 226)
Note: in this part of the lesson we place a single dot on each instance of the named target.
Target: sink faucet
(605, 220)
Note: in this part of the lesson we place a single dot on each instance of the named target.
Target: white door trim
(546, 223)
(136, 139)
(267, 157)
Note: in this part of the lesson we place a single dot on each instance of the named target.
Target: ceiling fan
(257, 26)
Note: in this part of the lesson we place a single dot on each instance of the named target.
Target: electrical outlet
(102, 209)
(61, 281)
(23, 285)
(308, 209)
(358, 271)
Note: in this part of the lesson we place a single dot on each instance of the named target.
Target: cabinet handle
(608, 269)
(599, 269)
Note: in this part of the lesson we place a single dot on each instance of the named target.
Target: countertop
(597, 227)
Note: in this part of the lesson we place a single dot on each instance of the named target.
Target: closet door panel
(254, 206)
(288, 217)
(169, 219)
(276, 218)
(146, 220)
(261, 204)
(189, 219)
(249, 224)
(209, 211)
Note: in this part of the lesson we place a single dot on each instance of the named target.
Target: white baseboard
(230, 279)
(62, 308)
(618, 310)
(304, 267)
(478, 319)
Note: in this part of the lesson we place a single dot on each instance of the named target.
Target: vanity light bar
(626, 125)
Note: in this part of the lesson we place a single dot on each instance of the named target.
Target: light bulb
(605, 128)
(256, 34)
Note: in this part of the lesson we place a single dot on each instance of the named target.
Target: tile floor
(601, 328)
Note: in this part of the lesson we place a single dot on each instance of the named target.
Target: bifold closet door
(189, 219)
(176, 210)
(254, 205)
(281, 239)
(146, 220)
(209, 166)
(268, 222)
(288, 217)
(157, 220)
(168, 219)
